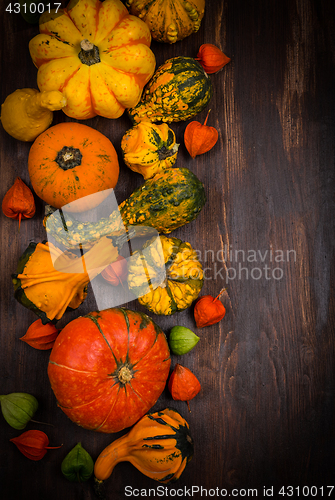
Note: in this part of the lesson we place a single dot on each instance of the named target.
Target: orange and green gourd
(148, 148)
(74, 165)
(178, 90)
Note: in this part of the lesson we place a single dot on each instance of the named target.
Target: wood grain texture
(265, 415)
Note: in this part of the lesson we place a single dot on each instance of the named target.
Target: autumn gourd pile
(108, 368)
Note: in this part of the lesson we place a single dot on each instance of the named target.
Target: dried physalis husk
(18, 408)
(78, 465)
(33, 444)
(183, 384)
(41, 336)
(116, 273)
(209, 310)
(211, 58)
(18, 202)
(200, 138)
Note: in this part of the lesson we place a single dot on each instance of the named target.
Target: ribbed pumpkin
(178, 90)
(96, 54)
(169, 200)
(70, 161)
(108, 368)
(169, 20)
(183, 278)
(159, 445)
(148, 148)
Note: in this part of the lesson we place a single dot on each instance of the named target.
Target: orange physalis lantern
(200, 138)
(18, 202)
(211, 58)
(183, 384)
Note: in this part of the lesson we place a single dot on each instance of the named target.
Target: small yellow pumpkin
(172, 291)
(26, 113)
(148, 148)
(169, 20)
(96, 54)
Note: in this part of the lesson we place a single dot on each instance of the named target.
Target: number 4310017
(32, 7)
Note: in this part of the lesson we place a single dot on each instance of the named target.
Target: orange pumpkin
(96, 54)
(108, 368)
(70, 161)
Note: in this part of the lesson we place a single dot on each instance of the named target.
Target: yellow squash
(96, 54)
(26, 113)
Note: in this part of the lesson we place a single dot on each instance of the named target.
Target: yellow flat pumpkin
(96, 54)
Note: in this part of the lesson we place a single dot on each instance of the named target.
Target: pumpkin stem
(188, 406)
(124, 375)
(164, 152)
(68, 157)
(89, 53)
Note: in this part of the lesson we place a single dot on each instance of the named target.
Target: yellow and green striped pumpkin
(179, 285)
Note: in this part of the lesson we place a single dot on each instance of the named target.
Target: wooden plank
(265, 415)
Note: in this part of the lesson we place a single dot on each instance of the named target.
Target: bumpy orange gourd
(96, 54)
(169, 20)
(159, 445)
(47, 280)
(70, 161)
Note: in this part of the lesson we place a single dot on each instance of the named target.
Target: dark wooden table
(265, 415)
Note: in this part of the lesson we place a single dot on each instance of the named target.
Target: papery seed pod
(41, 336)
(18, 408)
(18, 202)
(116, 273)
(183, 384)
(200, 138)
(182, 340)
(208, 310)
(33, 444)
(211, 58)
(78, 465)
